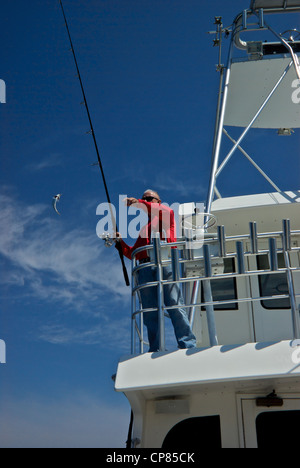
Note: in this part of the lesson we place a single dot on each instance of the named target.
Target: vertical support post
(286, 231)
(253, 238)
(245, 19)
(212, 330)
(189, 244)
(207, 261)
(222, 241)
(160, 292)
(133, 307)
(195, 292)
(273, 254)
(218, 133)
(261, 18)
(287, 245)
(133, 321)
(294, 310)
(240, 257)
(175, 264)
(142, 333)
(190, 256)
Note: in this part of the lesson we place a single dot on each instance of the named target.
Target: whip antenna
(96, 146)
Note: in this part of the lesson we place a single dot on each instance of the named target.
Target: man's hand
(130, 201)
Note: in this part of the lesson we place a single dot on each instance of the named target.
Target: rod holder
(157, 249)
(222, 241)
(240, 257)
(273, 254)
(175, 264)
(286, 235)
(160, 291)
(208, 297)
(245, 19)
(253, 237)
(261, 18)
(207, 262)
(189, 244)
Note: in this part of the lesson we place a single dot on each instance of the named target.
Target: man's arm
(126, 249)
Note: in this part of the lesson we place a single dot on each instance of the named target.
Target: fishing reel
(108, 240)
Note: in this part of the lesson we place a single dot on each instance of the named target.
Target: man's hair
(153, 191)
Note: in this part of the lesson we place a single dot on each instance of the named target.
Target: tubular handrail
(206, 275)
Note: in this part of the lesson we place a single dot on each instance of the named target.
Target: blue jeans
(172, 296)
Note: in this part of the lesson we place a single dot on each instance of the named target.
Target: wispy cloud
(53, 160)
(180, 187)
(36, 244)
(106, 331)
(42, 259)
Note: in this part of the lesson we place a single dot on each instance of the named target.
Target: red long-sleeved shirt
(160, 219)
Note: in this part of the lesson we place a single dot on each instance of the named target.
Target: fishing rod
(118, 245)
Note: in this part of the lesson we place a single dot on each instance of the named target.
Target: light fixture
(285, 131)
(270, 400)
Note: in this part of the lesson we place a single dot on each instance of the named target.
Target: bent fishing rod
(118, 245)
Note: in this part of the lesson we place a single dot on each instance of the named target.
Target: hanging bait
(56, 199)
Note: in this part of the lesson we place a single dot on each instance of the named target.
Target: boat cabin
(240, 276)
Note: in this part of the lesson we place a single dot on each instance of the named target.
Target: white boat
(240, 388)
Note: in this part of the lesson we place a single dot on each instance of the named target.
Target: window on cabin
(274, 284)
(278, 427)
(224, 289)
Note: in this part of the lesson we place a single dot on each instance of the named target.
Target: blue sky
(149, 71)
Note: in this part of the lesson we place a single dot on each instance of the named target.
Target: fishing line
(96, 146)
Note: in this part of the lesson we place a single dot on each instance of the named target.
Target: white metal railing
(183, 256)
(247, 22)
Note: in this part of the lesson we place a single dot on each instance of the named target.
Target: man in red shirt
(160, 219)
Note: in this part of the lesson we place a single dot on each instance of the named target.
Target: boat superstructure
(240, 275)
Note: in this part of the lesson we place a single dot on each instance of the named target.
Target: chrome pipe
(218, 134)
(273, 254)
(175, 264)
(160, 292)
(253, 237)
(208, 298)
(286, 234)
(207, 260)
(245, 132)
(222, 241)
(195, 292)
(261, 18)
(240, 258)
(294, 309)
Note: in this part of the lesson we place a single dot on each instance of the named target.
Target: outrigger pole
(96, 147)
